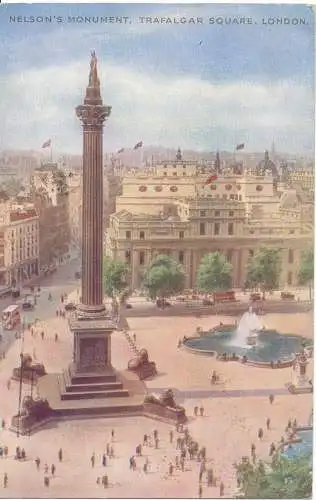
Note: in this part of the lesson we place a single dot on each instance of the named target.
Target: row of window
(28, 229)
(158, 188)
(217, 228)
(217, 213)
(213, 187)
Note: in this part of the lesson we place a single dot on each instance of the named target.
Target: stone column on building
(90, 324)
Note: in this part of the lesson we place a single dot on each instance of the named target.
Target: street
(62, 281)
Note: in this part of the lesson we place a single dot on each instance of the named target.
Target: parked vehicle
(255, 296)
(70, 306)
(11, 317)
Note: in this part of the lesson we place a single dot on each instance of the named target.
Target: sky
(199, 86)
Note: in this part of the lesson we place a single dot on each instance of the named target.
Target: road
(63, 281)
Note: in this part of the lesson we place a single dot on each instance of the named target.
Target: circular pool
(270, 345)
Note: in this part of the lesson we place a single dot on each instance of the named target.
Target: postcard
(157, 250)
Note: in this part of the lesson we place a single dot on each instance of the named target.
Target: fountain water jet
(246, 332)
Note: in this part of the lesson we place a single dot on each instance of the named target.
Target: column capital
(93, 115)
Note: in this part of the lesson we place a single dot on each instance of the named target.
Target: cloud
(184, 110)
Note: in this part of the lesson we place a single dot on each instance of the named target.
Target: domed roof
(267, 165)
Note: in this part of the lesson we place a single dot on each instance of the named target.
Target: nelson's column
(91, 384)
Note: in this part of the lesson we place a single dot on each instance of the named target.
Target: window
(225, 196)
(142, 188)
(291, 257)
(181, 234)
(217, 213)
(173, 189)
(181, 256)
(231, 196)
(216, 228)
(238, 187)
(228, 187)
(159, 188)
(290, 278)
(229, 255)
(230, 228)
(292, 231)
(128, 256)
(202, 213)
(128, 235)
(259, 188)
(213, 187)
(174, 173)
(202, 229)
(165, 174)
(141, 235)
(231, 213)
(141, 258)
(239, 197)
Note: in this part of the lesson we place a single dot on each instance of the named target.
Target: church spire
(179, 155)
(217, 163)
(93, 95)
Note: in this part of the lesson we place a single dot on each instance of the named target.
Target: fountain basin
(270, 346)
(302, 447)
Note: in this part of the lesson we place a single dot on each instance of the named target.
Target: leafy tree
(263, 270)
(283, 478)
(115, 274)
(163, 277)
(214, 273)
(306, 271)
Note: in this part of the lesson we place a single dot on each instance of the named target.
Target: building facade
(19, 243)
(177, 210)
(50, 194)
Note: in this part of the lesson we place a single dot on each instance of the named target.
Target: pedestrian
(201, 411)
(42, 335)
(253, 449)
(171, 436)
(272, 449)
(260, 433)
(156, 443)
(6, 451)
(23, 454)
(53, 469)
(170, 469)
(46, 469)
(155, 434)
(9, 384)
(145, 466)
(145, 440)
(108, 449)
(56, 337)
(177, 462)
(196, 410)
(289, 424)
(200, 476)
(178, 447)
(131, 463)
(60, 455)
(17, 453)
(57, 313)
(105, 481)
(200, 491)
(3, 424)
(112, 435)
(38, 462)
(134, 337)
(5, 480)
(271, 398)
(182, 463)
(92, 460)
(210, 477)
(111, 452)
(294, 424)
(268, 423)
(104, 459)
(46, 481)
(221, 489)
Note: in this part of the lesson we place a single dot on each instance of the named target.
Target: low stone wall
(165, 412)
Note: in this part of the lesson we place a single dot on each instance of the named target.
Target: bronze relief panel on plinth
(93, 354)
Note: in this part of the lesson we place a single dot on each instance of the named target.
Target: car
(27, 306)
(128, 306)
(70, 306)
(255, 296)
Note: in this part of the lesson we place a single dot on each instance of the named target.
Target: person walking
(5, 451)
(210, 477)
(271, 398)
(201, 411)
(221, 489)
(145, 440)
(156, 443)
(105, 481)
(272, 449)
(53, 470)
(171, 436)
(268, 421)
(92, 460)
(170, 469)
(46, 469)
(196, 410)
(260, 433)
(112, 435)
(200, 491)
(108, 449)
(60, 455)
(104, 459)
(38, 462)
(5, 480)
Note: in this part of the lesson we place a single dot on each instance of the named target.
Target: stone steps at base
(104, 411)
(101, 386)
(119, 393)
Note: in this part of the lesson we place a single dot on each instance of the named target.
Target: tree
(306, 271)
(263, 270)
(282, 478)
(214, 273)
(115, 273)
(163, 277)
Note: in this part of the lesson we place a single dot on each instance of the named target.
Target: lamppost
(22, 327)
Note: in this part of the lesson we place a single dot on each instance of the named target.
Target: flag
(47, 144)
(211, 179)
(240, 146)
(120, 151)
(138, 145)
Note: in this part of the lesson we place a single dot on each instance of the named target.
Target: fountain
(249, 342)
(247, 330)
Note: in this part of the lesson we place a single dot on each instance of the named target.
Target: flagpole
(51, 153)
